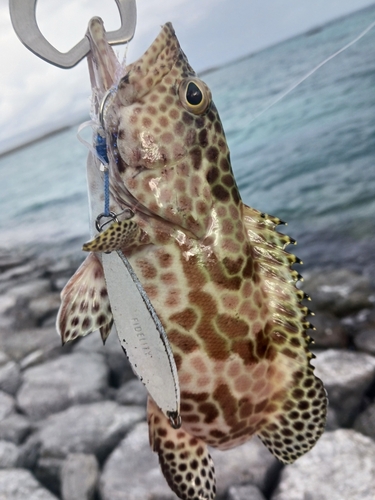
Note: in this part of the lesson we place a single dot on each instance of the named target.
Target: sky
(36, 98)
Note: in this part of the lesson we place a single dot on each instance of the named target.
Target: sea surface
(309, 159)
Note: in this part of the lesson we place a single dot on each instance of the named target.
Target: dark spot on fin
(299, 425)
(84, 308)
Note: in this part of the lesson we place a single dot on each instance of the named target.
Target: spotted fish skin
(216, 271)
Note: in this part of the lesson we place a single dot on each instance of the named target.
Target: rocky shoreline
(72, 418)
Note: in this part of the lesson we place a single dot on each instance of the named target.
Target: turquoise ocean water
(310, 159)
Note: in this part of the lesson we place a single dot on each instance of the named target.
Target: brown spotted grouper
(215, 270)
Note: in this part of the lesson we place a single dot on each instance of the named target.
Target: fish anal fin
(84, 303)
(184, 460)
(295, 429)
(119, 235)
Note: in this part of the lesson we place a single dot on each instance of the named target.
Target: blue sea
(309, 159)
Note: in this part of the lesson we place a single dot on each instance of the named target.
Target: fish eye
(194, 95)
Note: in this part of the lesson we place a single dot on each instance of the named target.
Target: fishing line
(99, 150)
(305, 77)
(95, 150)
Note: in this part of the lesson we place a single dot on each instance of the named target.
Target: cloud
(34, 94)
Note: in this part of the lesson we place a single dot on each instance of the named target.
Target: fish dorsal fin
(273, 265)
(301, 410)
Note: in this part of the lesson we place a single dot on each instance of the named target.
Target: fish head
(167, 139)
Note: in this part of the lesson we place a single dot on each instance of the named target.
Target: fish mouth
(135, 113)
(132, 82)
(117, 92)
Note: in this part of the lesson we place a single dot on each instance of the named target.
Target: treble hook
(22, 14)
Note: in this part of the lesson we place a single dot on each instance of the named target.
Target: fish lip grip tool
(22, 14)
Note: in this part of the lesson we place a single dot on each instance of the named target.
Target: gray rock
(133, 471)
(246, 492)
(332, 419)
(340, 467)
(30, 290)
(339, 291)
(7, 405)
(8, 455)
(58, 283)
(249, 463)
(21, 343)
(365, 340)
(133, 392)
(10, 375)
(19, 316)
(50, 322)
(18, 275)
(15, 428)
(371, 316)
(29, 452)
(92, 343)
(60, 383)
(346, 376)
(117, 361)
(7, 302)
(91, 429)
(365, 422)
(330, 332)
(44, 307)
(19, 484)
(11, 258)
(64, 267)
(142, 479)
(23, 295)
(79, 477)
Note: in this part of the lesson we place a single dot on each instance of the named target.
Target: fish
(216, 270)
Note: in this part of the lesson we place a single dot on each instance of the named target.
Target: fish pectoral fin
(84, 303)
(119, 235)
(184, 459)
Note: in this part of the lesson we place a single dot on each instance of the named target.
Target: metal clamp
(110, 217)
(22, 13)
(175, 419)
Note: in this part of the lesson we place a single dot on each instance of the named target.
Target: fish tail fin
(300, 423)
(184, 460)
(84, 303)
